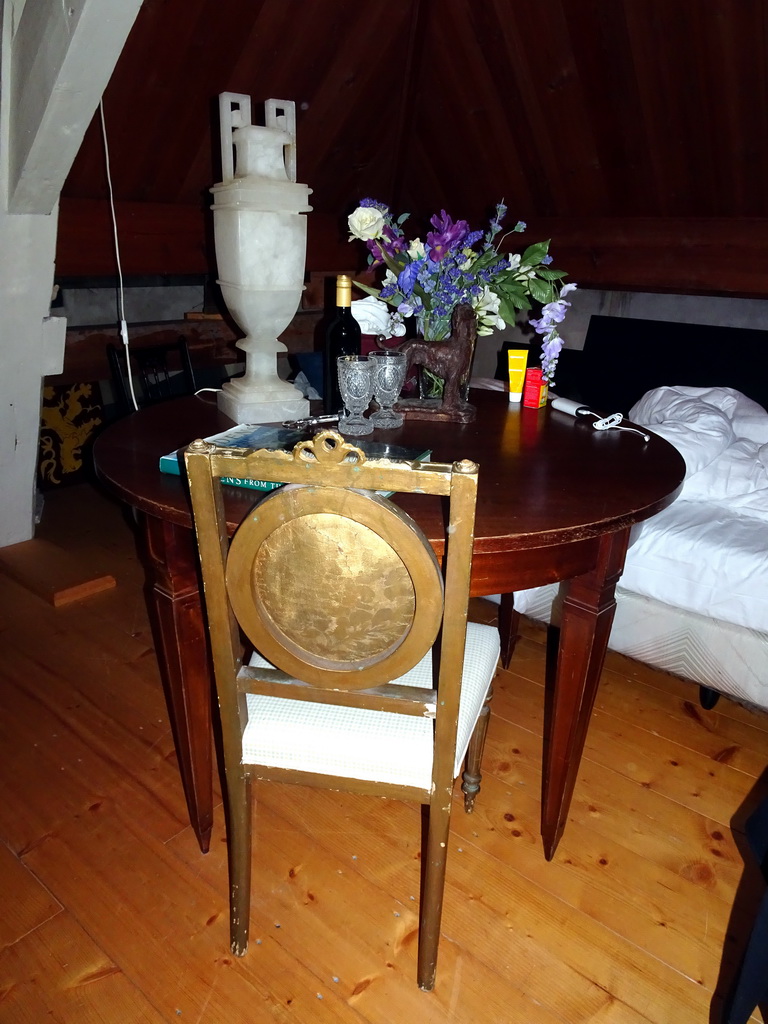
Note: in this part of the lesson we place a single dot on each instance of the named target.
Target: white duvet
(708, 552)
(723, 437)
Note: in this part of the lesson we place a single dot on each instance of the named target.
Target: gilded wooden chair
(342, 599)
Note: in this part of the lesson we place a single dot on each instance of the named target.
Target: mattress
(693, 598)
(723, 656)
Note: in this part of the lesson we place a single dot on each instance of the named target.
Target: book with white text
(261, 436)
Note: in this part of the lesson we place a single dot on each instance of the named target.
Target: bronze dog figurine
(450, 359)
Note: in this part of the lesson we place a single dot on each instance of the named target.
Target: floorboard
(111, 914)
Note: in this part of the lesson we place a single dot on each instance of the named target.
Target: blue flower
(406, 279)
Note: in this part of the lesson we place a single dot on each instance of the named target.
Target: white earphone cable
(121, 291)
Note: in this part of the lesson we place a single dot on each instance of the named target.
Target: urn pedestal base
(262, 405)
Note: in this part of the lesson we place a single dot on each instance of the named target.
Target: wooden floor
(111, 914)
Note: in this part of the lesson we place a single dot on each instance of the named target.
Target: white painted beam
(62, 55)
(56, 57)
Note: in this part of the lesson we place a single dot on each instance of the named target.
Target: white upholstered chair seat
(361, 744)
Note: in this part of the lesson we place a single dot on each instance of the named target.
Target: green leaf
(507, 312)
(541, 290)
(367, 289)
(484, 260)
(551, 275)
(508, 309)
(510, 289)
(535, 253)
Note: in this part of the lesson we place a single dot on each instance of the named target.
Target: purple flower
(550, 351)
(406, 279)
(447, 236)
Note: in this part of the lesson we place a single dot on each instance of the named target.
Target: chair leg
(239, 799)
(432, 888)
(509, 626)
(471, 776)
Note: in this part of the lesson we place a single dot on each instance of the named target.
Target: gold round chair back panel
(322, 591)
(334, 587)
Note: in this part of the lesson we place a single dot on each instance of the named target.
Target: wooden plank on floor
(58, 973)
(26, 903)
(51, 572)
(167, 929)
(489, 908)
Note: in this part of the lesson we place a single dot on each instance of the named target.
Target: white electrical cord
(121, 291)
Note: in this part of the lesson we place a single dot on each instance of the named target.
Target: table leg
(587, 617)
(509, 628)
(174, 592)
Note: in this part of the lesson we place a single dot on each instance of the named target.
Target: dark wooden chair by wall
(159, 372)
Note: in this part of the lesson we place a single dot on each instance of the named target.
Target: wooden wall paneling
(462, 124)
(720, 256)
(184, 150)
(602, 50)
(133, 101)
(543, 61)
(347, 135)
(142, 100)
(501, 112)
(739, 36)
(164, 69)
(577, 109)
(155, 238)
(674, 117)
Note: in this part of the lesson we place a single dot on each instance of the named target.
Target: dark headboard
(624, 357)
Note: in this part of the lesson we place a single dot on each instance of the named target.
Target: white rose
(366, 222)
(416, 249)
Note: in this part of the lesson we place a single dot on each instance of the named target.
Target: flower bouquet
(427, 279)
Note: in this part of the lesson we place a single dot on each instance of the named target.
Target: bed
(693, 599)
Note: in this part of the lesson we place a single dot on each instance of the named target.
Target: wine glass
(356, 387)
(389, 370)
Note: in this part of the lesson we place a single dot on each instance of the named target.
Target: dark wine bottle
(342, 339)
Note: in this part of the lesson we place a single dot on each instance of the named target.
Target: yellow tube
(518, 360)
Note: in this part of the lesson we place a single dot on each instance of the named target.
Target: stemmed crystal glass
(389, 370)
(356, 387)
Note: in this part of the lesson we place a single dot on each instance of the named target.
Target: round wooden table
(556, 501)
